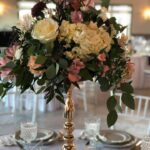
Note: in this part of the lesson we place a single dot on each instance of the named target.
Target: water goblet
(28, 132)
(145, 143)
(92, 128)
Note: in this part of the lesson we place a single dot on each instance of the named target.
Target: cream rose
(18, 53)
(45, 30)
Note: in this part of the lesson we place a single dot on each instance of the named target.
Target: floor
(55, 120)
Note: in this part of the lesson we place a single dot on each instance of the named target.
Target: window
(123, 13)
(25, 7)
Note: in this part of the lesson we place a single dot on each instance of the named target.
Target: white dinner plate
(115, 137)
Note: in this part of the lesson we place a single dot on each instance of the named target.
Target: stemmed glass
(28, 132)
(145, 143)
(92, 128)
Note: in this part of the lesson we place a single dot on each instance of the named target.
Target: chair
(87, 89)
(141, 112)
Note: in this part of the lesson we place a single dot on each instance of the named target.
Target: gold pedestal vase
(69, 124)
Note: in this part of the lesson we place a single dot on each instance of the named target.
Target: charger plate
(42, 135)
(115, 137)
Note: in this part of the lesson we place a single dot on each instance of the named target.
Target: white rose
(25, 23)
(103, 14)
(45, 30)
(18, 53)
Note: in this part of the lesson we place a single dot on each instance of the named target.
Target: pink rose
(75, 4)
(10, 52)
(129, 70)
(106, 69)
(73, 77)
(76, 66)
(5, 71)
(76, 16)
(74, 70)
(89, 3)
(3, 61)
(102, 57)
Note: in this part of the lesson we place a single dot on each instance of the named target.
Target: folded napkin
(7, 140)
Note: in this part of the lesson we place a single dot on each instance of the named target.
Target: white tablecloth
(80, 145)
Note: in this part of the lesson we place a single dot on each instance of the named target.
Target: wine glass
(145, 143)
(28, 132)
(92, 128)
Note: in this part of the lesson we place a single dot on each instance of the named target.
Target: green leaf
(92, 66)
(105, 3)
(40, 90)
(60, 98)
(104, 84)
(111, 103)
(112, 118)
(76, 85)
(10, 65)
(60, 78)
(84, 73)
(118, 107)
(51, 72)
(63, 63)
(1, 89)
(50, 95)
(31, 50)
(40, 81)
(126, 87)
(128, 100)
(49, 47)
(57, 68)
(41, 60)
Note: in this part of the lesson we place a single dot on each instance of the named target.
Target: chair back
(142, 105)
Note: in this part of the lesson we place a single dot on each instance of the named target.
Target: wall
(139, 25)
(10, 16)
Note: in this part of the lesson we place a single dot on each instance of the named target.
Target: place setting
(71, 71)
(30, 137)
(107, 139)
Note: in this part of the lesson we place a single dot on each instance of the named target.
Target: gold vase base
(68, 147)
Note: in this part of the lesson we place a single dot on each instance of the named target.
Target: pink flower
(10, 52)
(73, 77)
(75, 4)
(4, 71)
(76, 16)
(3, 61)
(76, 66)
(106, 69)
(89, 3)
(129, 70)
(102, 57)
(74, 70)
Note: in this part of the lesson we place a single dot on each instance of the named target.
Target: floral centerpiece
(59, 48)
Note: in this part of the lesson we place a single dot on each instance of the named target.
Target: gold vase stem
(69, 125)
